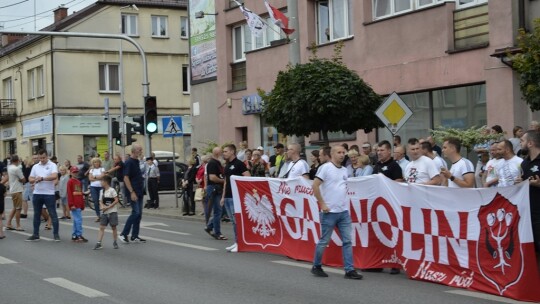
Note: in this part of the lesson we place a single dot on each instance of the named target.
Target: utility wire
(14, 4)
(32, 16)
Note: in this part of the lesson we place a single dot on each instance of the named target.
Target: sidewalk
(167, 208)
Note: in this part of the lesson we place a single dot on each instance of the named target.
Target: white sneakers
(232, 248)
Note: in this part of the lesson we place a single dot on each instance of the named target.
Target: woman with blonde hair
(359, 165)
(94, 175)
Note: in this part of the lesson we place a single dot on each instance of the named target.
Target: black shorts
(536, 234)
(2, 206)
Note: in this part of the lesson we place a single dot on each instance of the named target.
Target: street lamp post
(145, 84)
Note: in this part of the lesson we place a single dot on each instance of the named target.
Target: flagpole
(294, 48)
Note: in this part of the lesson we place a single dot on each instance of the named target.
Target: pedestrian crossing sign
(172, 126)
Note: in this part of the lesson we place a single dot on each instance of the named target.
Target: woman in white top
(95, 174)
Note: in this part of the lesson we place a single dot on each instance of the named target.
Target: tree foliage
(468, 137)
(321, 95)
(527, 63)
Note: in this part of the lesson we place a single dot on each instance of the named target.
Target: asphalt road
(180, 263)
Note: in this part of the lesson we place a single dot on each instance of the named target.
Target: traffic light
(139, 128)
(129, 134)
(115, 129)
(150, 114)
(118, 140)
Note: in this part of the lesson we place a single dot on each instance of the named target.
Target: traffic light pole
(145, 84)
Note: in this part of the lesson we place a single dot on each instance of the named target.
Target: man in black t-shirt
(234, 167)
(214, 191)
(391, 169)
(530, 144)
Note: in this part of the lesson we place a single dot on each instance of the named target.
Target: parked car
(166, 181)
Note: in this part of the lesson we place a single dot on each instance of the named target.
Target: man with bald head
(214, 191)
(330, 190)
(297, 166)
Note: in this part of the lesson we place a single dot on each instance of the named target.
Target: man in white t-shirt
(44, 175)
(427, 150)
(461, 174)
(510, 168)
(490, 177)
(421, 169)
(330, 190)
(16, 188)
(297, 166)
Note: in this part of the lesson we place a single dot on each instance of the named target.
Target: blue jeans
(134, 219)
(76, 214)
(38, 200)
(229, 207)
(213, 202)
(343, 222)
(94, 191)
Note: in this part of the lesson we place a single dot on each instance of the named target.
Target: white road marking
(78, 288)
(29, 234)
(484, 296)
(308, 266)
(4, 260)
(180, 244)
(146, 224)
(167, 231)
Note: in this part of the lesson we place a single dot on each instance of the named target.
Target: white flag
(254, 22)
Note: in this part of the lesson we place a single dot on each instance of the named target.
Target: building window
(129, 24)
(238, 76)
(467, 3)
(109, 78)
(332, 20)
(185, 79)
(244, 41)
(159, 26)
(388, 8)
(7, 88)
(339, 136)
(184, 27)
(36, 83)
(461, 108)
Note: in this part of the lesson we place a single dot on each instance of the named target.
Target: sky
(24, 11)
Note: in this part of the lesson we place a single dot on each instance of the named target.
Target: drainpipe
(521, 15)
(55, 142)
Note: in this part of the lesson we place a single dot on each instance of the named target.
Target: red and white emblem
(498, 250)
(260, 223)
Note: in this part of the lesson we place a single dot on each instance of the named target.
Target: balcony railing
(8, 110)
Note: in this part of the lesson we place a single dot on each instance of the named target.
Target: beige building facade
(57, 87)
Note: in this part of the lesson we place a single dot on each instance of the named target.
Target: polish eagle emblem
(260, 211)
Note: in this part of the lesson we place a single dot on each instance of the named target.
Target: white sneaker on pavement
(234, 249)
(231, 247)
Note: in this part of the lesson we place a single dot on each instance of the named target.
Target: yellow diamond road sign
(394, 113)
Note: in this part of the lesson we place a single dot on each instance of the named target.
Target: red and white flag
(279, 18)
(254, 22)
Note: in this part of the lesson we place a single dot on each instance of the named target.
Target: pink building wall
(407, 53)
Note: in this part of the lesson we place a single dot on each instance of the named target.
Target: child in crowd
(62, 190)
(108, 200)
(76, 204)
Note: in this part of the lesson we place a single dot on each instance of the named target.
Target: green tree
(321, 95)
(527, 64)
(469, 137)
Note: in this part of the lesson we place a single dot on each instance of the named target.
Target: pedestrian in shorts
(108, 200)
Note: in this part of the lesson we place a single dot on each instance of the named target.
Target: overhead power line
(32, 16)
(14, 4)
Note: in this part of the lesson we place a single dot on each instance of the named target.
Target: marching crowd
(46, 184)
(501, 162)
(39, 180)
